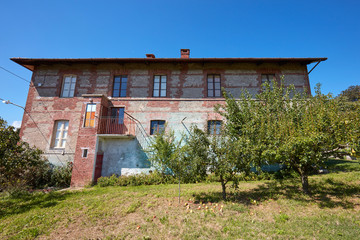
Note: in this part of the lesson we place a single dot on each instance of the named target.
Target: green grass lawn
(257, 210)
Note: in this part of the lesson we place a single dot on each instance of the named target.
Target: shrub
(154, 178)
(60, 176)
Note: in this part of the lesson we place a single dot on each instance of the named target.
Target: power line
(24, 79)
(8, 102)
(69, 146)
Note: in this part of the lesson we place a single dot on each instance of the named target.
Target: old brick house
(99, 112)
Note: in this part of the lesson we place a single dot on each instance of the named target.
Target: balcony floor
(125, 136)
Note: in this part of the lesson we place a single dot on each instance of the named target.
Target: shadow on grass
(25, 202)
(341, 165)
(327, 193)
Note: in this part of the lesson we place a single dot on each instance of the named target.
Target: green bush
(60, 176)
(154, 178)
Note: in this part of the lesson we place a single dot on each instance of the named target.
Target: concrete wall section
(122, 156)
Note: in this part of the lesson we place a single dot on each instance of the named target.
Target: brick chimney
(185, 53)
(150, 55)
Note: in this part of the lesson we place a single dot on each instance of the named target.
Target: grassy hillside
(257, 210)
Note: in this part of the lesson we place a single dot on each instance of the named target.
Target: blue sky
(81, 29)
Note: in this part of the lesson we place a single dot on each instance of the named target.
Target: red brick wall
(186, 97)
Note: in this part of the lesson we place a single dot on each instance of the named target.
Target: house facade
(99, 113)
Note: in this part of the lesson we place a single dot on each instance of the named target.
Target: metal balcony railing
(116, 125)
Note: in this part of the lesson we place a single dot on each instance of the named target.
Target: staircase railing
(140, 134)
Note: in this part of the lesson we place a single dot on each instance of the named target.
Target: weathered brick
(123, 154)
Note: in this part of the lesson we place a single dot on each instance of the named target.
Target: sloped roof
(30, 63)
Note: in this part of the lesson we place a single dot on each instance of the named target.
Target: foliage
(220, 155)
(20, 165)
(154, 178)
(60, 176)
(352, 93)
(170, 156)
(164, 151)
(287, 127)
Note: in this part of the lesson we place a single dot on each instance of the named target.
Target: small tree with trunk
(219, 154)
(170, 156)
(284, 126)
(316, 128)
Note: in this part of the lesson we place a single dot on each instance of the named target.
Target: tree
(287, 127)
(20, 165)
(218, 154)
(170, 156)
(352, 93)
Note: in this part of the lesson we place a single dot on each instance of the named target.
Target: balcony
(117, 126)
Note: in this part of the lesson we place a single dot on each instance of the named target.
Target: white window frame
(61, 130)
(68, 86)
(84, 152)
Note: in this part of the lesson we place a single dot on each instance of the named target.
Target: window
(90, 115)
(214, 87)
(61, 128)
(157, 126)
(85, 153)
(118, 114)
(120, 84)
(269, 78)
(68, 87)
(159, 86)
(214, 127)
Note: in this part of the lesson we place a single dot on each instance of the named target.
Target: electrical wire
(41, 102)
(24, 79)
(42, 134)
(8, 102)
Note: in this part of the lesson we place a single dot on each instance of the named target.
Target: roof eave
(30, 63)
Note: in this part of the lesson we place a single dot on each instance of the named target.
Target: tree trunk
(305, 183)
(223, 186)
(304, 178)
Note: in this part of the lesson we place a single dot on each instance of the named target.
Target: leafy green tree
(170, 156)
(287, 127)
(20, 165)
(352, 93)
(218, 154)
